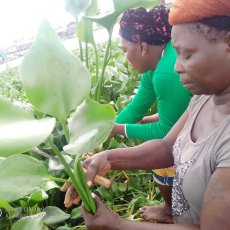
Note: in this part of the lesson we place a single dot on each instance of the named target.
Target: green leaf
(76, 213)
(122, 186)
(36, 197)
(55, 81)
(1, 159)
(35, 222)
(55, 164)
(66, 228)
(5, 205)
(85, 31)
(21, 175)
(107, 20)
(19, 131)
(85, 28)
(121, 5)
(75, 7)
(54, 215)
(48, 185)
(89, 126)
(105, 193)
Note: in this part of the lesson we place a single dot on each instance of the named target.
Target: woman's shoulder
(197, 101)
(147, 76)
(167, 62)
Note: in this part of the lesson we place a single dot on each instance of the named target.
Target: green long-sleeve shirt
(163, 85)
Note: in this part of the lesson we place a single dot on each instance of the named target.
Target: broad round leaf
(54, 215)
(75, 7)
(89, 126)
(19, 131)
(36, 197)
(85, 31)
(55, 164)
(76, 213)
(21, 175)
(35, 222)
(107, 20)
(85, 28)
(55, 81)
(121, 5)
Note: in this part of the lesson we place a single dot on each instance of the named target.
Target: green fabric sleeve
(172, 100)
(141, 102)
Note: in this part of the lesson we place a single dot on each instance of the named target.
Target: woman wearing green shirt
(162, 85)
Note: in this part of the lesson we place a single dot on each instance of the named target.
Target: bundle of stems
(82, 187)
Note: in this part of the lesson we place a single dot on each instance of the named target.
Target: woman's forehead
(179, 34)
(184, 34)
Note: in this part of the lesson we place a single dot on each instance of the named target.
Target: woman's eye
(186, 56)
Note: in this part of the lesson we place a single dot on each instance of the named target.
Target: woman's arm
(216, 201)
(141, 102)
(149, 119)
(120, 129)
(108, 220)
(149, 155)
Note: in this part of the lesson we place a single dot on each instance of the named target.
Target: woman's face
(135, 56)
(203, 65)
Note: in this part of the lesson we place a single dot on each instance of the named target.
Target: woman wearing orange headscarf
(199, 143)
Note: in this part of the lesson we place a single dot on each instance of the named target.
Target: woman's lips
(186, 83)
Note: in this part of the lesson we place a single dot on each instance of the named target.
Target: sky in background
(21, 18)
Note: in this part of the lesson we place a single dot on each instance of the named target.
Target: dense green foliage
(130, 189)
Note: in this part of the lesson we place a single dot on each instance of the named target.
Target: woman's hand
(149, 119)
(71, 196)
(118, 129)
(104, 218)
(96, 164)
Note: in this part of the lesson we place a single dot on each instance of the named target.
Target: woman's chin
(193, 90)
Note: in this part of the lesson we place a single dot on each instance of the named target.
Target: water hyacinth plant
(57, 85)
(84, 31)
(59, 88)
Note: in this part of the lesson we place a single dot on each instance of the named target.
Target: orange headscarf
(185, 11)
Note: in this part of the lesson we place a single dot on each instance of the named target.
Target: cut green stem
(78, 186)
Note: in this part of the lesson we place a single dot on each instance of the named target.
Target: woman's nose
(178, 68)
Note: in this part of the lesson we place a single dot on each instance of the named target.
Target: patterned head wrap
(152, 27)
(215, 13)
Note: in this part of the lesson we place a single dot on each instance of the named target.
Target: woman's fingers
(70, 197)
(65, 187)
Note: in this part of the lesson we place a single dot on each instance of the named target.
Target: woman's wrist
(116, 223)
(120, 129)
(114, 158)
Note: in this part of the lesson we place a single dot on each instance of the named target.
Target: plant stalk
(66, 131)
(105, 61)
(60, 180)
(87, 55)
(81, 50)
(97, 61)
(62, 160)
(78, 187)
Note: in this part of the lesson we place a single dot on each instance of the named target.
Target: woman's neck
(222, 101)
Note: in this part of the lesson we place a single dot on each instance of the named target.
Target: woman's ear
(144, 48)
